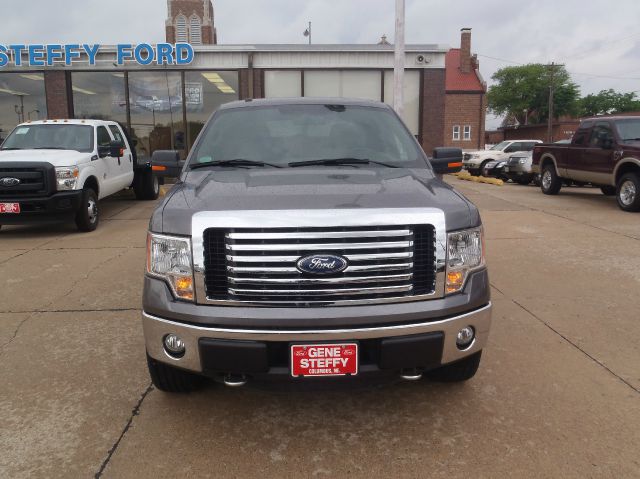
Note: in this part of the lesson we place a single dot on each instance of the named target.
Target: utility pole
(552, 87)
(307, 33)
(398, 66)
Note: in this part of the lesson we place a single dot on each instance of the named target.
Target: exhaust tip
(235, 380)
(411, 374)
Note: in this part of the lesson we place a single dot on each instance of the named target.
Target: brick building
(465, 101)
(190, 21)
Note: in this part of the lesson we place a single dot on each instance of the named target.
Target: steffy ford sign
(67, 55)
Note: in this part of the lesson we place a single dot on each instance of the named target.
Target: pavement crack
(15, 333)
(102, 310)
(576, 346)
(134, 412)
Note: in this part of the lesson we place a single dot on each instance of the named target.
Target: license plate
(10, 208)
(324, 359)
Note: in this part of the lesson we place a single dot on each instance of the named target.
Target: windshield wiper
(631, 139)
(10, 148)
(236, 162)
(339, 161)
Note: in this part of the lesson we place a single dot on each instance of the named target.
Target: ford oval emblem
(9, 181)
(322, 264)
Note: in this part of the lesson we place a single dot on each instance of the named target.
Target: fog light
(174, 346)
(465, 337)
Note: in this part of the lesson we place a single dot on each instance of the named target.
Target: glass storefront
(204, 93)
(22, 98)
(99, 96)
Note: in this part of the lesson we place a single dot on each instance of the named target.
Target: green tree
(521, 93)
(608, 101)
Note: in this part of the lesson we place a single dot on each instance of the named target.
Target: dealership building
(163, 94)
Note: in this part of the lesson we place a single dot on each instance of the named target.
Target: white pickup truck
(58, 170)
(475, 161)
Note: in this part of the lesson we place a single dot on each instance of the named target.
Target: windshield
(628, 129)
(57, 137)
(283, 134)
(500, 146)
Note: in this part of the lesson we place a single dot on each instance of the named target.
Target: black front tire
(462, 370)
(481, 172)
(550, 182)
(628, 192)
(147, 186)
(172, 380)
(88, 216)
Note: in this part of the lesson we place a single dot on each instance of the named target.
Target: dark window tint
(600, 134)
(528, 145)
(103, 136)
(116, 132)
(581, 137)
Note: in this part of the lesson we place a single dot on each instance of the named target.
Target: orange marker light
(158, 168)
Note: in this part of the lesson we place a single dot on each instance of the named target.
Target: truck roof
(611, 117)
(303, 101)
(71, 121)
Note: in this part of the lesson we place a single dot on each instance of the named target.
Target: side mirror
(166, 163)
(446, 160)
(116, 149)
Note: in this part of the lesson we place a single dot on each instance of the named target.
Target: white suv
(474, 161)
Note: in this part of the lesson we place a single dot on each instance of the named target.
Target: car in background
(475, 161)
(518, 168)
(494, 169)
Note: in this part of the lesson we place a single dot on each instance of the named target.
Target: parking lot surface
(557, 393)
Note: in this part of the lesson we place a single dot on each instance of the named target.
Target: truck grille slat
(259, 265)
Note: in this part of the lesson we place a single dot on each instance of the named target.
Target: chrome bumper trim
(156, 328)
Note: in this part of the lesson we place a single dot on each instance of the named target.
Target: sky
(598, 42)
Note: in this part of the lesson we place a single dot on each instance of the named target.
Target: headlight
(475, 157)
(522, 161)
(66, 178)
(169, 258)
(465, 253)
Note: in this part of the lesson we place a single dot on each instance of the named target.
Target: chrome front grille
(237, 264)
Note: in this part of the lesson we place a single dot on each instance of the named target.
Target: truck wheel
(628, 192)
(456, 372)
(172, 380)
(550, 182)
(481, 170)
(608, 190)
(88, 216)
(147, 186)
(523, 181)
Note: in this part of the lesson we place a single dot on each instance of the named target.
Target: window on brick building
(22, 98)
(181, 29)
(195, 30)
(456, 132)
(467, 133)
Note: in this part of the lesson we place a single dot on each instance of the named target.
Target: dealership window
(99, 96)
(456, 132)
(336, 83)
(467, 133)
(282, 83)
(22, 98)
(411, 115)
(204, 93)
(155, 102)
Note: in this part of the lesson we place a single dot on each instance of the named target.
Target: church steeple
(190, 21)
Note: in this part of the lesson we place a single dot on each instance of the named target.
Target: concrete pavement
(557, 394)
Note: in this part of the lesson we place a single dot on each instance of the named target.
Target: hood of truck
(55, 157)
(309, 188)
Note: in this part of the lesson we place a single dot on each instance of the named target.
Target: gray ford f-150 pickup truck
(309, 238)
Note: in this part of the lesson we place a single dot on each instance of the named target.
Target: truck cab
(59, 170)
(604, 151)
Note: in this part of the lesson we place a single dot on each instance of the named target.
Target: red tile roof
(455, 79)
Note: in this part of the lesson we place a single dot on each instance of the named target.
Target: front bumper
(442, 333)
(33, 210)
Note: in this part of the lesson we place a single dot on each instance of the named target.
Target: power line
(600, 45)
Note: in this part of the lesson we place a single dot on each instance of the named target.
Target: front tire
(170, 379)
(147, 186)
(88, 216)
(481, 171)
(462, 370)
(628, 192)
(550, 182)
